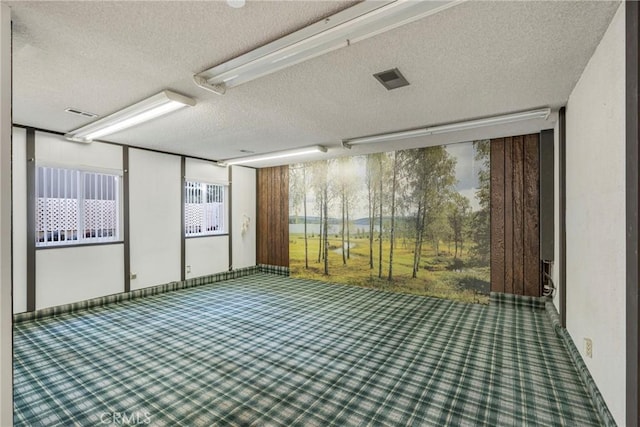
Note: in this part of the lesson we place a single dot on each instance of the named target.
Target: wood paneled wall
(272, 231)
(515, 218)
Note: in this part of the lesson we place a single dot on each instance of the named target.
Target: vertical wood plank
(276, 191)
(258, 216)
(269, 246)
(531, 216)
(518, 212)
(508, 216)
(284, 252)
(274, 213)
(260, 231)
(497, 215)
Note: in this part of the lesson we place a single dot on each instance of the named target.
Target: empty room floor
(267, 350)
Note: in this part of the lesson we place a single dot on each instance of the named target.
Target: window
(204, 209)
(75, 207)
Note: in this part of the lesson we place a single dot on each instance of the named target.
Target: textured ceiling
(472, 60)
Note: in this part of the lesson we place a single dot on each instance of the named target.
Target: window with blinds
(76, 207)
(204, 209)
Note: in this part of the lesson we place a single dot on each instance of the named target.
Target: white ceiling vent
(80, 112)
(391, 79)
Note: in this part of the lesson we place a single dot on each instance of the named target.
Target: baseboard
(578, 362)
(521, 301)
(152, 290)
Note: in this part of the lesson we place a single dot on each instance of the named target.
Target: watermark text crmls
(125, 418)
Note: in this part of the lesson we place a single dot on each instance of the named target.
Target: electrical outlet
(588, 347)
(188, 269)
(133, 276)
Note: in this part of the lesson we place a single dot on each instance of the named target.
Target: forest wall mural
(414, 221)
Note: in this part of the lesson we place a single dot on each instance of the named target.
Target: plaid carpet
(265, 350)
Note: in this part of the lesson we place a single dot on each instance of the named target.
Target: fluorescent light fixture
(276, 155)
(143, 111)
(542, 113)
(393, 136)
(364, 20)
(491, 121)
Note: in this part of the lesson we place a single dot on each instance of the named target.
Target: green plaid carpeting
(266, 350)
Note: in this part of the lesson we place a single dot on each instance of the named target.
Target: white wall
(19, 220)
(154, 217)
(54, 150)
(66, 275)
(206, 255)
(6, 345)
(243, 207)
(596, 215)
(210, 172)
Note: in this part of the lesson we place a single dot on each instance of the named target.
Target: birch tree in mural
(343, 176)
(458, 219)
(371, 172)
(352, 192)
(481, 218)
(317, 181)
(298, 200)
(392, 235)
(433, 178)
(323, 169)
(380, 158)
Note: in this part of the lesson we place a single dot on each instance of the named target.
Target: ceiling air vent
(80, 113)
(391, 79)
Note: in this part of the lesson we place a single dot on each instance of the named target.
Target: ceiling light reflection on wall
(542, 113)
(140, 112)
(276, 155)
(236, 4)
(359, 22)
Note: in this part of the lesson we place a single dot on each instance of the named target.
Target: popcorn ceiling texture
(472, 60)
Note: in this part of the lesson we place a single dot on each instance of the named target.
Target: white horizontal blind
(204, 209)
(74, 207)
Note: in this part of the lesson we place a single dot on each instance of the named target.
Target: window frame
(80, 177)
(202, 195)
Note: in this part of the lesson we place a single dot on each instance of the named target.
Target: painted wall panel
(595, 215)
(206, 255)
(243, 211)
(555, 272)
(19, 182)
(66, 274)
(55, 150)
(6, 344)
(155, 214)
(78, 273)
(205, 171)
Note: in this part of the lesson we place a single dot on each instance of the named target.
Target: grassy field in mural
(437, 276)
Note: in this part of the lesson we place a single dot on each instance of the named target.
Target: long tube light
(143, 111)
(542, 113)
(276, 155)
(364, 20)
